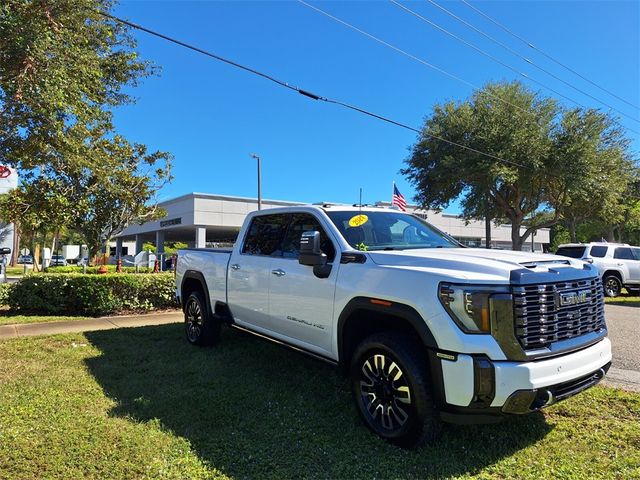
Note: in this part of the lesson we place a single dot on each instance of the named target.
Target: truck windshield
(388, 230)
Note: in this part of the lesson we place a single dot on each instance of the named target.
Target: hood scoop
(544, 263)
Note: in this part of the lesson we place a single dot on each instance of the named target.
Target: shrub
(91, 294)
(5, 288)
(94, 270)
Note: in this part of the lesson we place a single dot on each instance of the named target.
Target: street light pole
(253, 155)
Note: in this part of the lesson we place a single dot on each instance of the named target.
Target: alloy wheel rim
(612, 287)
(384, 392)
(194, 321)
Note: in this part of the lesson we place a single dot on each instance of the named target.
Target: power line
(506, 65)
(307, 93)
(558, 62)
(516, 53)
(410, 55)
(420, 60)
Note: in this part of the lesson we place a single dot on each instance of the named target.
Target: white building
(8, 181)
(202, 219)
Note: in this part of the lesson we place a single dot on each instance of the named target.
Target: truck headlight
(469, 306)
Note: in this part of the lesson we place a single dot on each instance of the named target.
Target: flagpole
(393, 190)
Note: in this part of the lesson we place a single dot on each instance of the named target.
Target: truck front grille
(548, 313)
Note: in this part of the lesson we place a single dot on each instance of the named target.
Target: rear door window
(264, 236)
(572, 252)
(623, 253)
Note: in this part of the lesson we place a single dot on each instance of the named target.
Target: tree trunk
(36, 254)
(16, 244)
(53, 243)
(516, 239)
(487, 222)
(572, 230)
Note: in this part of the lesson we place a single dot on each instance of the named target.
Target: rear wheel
(391, 390)
(633, 291)
(612, 285)
(201, 327)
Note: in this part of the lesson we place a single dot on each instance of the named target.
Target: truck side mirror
(311, 255)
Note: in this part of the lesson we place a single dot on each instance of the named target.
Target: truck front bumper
(478, 387)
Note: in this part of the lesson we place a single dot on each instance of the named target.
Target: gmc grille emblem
(575, 298)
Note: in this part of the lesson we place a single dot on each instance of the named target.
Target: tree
(39, 208)
(63, 69)
(590, 152)
(118, 190)
(528, 179)
(169, 247)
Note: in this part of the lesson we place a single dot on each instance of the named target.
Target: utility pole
(487, 222)
(253, 155)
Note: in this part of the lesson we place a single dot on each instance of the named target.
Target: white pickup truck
(427, 330)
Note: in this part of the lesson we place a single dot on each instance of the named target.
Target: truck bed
(211, 263)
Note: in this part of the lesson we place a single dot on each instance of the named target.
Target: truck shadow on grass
(252, 409)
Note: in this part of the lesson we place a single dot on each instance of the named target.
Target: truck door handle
(279, 272)
(235, 266)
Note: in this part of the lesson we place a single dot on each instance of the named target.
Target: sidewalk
(88, 325)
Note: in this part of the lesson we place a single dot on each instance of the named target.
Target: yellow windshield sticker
(358, 220)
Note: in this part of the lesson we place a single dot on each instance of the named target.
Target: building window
(112, 251)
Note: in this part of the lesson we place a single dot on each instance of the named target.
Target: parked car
(58, 261)
(25, 260)
(426, 330)
(617, 263)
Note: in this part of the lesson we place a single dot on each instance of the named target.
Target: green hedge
(91, 294)
(94, 270)
(5, 288)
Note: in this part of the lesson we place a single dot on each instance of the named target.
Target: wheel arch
(193, 281)
(614, 272)
(364, 316)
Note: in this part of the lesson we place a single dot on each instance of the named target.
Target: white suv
(618, 264)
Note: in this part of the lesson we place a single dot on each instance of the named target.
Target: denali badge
(574, 298)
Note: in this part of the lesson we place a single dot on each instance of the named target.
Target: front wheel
(201, 327)
(391, 390)
(612, 286)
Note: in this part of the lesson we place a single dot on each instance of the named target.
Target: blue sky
(211, 116)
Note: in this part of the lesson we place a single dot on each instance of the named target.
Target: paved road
(624, 333)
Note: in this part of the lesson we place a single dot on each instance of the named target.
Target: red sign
(5, 172)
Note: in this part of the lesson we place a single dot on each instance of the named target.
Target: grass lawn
(7, 319)
(624, 299)
(142, 403)
(16, 271)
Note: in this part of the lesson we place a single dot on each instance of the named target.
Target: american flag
(398, 199)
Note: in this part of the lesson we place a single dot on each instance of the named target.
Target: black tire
(612, 285)
(391, 389)
(201, 327)
(633, 291)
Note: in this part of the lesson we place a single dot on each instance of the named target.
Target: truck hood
(486, 265)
